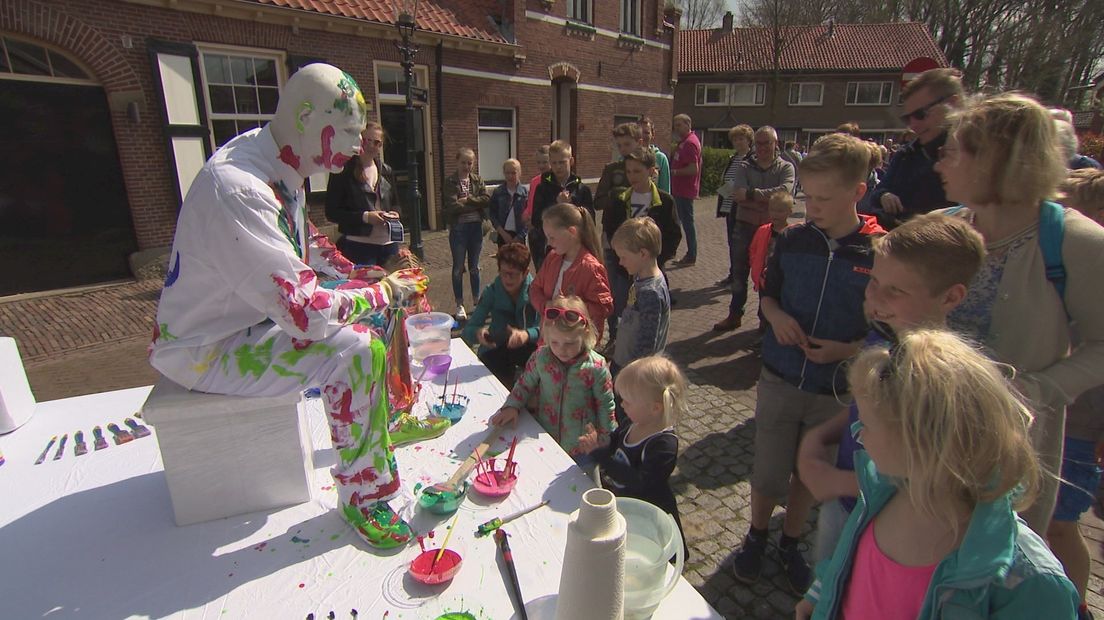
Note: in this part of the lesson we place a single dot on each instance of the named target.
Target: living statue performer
(243, 311)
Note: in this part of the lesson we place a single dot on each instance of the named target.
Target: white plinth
(229, 455)
(17, 403)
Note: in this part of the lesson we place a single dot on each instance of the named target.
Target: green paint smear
(456, 615)
(335, 537)
(254, 359)
(293, 357)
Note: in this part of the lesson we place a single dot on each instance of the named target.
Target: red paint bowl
(424, 570)
(492, 480)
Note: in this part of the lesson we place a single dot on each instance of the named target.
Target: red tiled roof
(461, 18)
(851, 47)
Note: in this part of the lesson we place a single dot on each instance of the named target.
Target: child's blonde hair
(961, 425)
(464, 150)
(659, 380)
(781, 198)
(512, 164)
(571, 302)
(639, 233)
(845, 156)
(1015, 147)
(560, 147)
(566, 215)
(1084, 190)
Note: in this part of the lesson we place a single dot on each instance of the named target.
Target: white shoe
(461, 314)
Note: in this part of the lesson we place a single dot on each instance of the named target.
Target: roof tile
(849, 47)
(461, 18)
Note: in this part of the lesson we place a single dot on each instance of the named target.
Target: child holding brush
(570, 380)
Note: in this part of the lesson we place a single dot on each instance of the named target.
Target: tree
(701, 14)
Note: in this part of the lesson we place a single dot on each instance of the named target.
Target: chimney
(831, 27)
(726, 22)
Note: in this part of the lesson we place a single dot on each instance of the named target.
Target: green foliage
(1092, 144)
(714, 161)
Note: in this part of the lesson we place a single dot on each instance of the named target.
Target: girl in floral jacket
(571, 382)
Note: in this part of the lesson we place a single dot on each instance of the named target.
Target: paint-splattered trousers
(349, 367)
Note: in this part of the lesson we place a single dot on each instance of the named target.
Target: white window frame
(51, 50)
(701, 97)
(494, 175)
(800, 88)
(759, 98)
(421, 79)
(278, 58)
(885, 98)
(632, 17)
(581, 11)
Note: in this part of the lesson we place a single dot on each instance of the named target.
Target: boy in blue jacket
(506, 344)
(812, 298)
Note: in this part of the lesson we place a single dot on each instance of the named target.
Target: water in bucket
(653, 540)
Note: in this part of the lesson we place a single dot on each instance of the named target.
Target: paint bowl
(492, 480)
(434, 366)
(424, 570)
(454, 407)
(442, 502)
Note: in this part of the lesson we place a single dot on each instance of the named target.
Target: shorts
(1080, 479)
(782, 415)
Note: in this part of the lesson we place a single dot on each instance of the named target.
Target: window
(630, 17)
(716, 138)
(23, 59)
(749, 94)
(786, 135)
(391, 81)
(806, 93)
(711, 94)
(579, 10)
(869, 93)
(497, 137)
(241, 92)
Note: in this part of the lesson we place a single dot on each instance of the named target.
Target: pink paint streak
(326, 158)
(288, 156)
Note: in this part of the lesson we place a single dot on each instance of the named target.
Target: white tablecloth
(93, 536)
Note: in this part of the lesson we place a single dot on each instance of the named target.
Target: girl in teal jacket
(934, 535)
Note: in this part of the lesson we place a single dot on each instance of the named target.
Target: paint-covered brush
(515, 584)
(98, 438)
(497, 522)
(121, 436)
(139, 430)
(510, 459)
(61, 446)
(42, 457)
(79, 447)
(445, 542)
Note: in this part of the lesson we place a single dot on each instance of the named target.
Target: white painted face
(319, 120)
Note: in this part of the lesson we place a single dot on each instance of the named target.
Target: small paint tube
(79, 447)
(139, 430)
(98, 439)
(61, 446)
(121, 436)
(42, 457)
(1, 458)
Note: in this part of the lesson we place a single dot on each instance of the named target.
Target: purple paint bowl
(434, 366)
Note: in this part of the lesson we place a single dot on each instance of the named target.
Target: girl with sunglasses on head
(572, 267)
(569, 380)
(945, 459)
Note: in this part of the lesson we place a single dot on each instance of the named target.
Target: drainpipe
(440, 111)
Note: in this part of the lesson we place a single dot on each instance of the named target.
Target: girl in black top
(361, 201)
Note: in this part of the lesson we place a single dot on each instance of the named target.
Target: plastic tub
(429, 333)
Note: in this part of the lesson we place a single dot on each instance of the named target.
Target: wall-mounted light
(134, 113)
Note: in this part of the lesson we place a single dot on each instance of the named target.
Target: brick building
(828, 74)
(115, 104)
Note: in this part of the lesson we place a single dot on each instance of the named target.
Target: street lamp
(406, 13)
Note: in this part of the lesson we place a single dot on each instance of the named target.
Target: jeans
(366, 253)
(465, 240)
(538, 247)
(619, 288)
(739, 243)
(685, 208)
(730, 223)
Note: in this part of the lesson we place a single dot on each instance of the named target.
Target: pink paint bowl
(424, 570)
(492, 480)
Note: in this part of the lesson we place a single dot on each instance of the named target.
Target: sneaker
(687, 261)
(730, 322)
(748, 563)
(381, 527)
(410, 428)
(461, 314)
(723, 282)
(795, 568)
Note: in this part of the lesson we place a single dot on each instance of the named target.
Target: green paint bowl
(442, 503)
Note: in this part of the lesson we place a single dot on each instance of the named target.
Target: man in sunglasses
(910, 185)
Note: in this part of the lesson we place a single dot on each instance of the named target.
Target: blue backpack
(1052, 227)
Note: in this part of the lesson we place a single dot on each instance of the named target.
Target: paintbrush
(515, 585)
(79, 447)
(497, 522)
(444, 389)
(509, 469)
(121, 436)
(444, 544)
(461, 473)
(98, 439)
(45, 451)
(140, 430)
(61, 446)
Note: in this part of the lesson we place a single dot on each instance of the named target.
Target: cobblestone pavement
(94, 340)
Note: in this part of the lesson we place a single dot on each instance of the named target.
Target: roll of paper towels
(17, 403)
(592, 584)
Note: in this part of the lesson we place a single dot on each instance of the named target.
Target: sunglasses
(567, 317)
(922, 112)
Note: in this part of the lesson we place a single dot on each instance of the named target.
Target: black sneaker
(748, 563)
(796, 569)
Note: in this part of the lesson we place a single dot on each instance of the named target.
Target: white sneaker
(461, 314)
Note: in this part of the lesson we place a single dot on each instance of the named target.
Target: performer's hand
(504, 416)
(399, 289)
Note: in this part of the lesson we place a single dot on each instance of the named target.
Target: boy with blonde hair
(558, 185)
(812, 298)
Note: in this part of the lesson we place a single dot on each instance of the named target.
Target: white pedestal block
(229, 455)
(17, 403)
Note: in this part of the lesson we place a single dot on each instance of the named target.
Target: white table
(93, 536)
